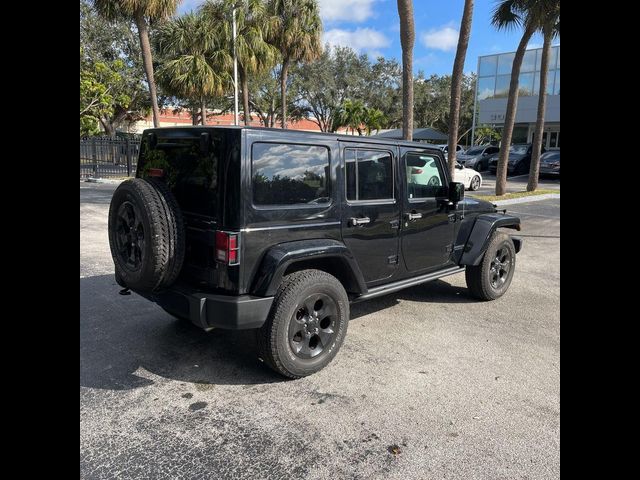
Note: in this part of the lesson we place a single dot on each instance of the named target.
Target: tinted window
(369, 174)
(288, 174)
(190, 175)
(424, 177)
(493, 150)
(475, 151)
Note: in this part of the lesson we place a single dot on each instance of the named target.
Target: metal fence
(103, 157)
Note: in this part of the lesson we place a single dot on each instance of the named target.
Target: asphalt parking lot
(429, 384)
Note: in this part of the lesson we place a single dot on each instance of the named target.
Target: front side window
(369, 174)
(424, 176)
(290, 174)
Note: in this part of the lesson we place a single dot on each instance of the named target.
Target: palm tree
(550, 29)
(196, 60)
(407, 38)
(456, 83)
(141, 12)
(254, 54)
(510, 14)
(294, 28)
(373, 119)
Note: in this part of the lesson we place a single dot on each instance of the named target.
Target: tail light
(227, 248)
(416, 171)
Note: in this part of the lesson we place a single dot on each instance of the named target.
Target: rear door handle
(356, 222)
(414, 216)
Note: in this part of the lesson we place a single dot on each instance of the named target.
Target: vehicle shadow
(437, 291)
(126, 341)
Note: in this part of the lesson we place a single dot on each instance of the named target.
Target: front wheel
(307, 324)
(475, 183)
(491, 278)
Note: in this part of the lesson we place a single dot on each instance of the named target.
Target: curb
(103, 180)
(531, 198)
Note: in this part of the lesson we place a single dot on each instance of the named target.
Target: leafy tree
(105, 43)
(195, 59)
(266, 98)
(294, 29)
(142, 13)
(407, 38)
(456, 83)
(550, 29)
(325, 83)
(485, 134)
(384, 90)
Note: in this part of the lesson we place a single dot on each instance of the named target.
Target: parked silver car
(478, 157)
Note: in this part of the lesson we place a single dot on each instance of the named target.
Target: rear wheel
(475, 183)
(307, 324)
(491, 278)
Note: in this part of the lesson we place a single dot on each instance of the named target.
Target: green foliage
(485, 134)
(112, 89)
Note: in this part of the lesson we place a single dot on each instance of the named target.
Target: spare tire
(146, 234)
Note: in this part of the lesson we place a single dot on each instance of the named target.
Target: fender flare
(481, 232)
(279, 257)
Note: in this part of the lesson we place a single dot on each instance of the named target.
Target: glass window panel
(424, 178)
(502, 86)
(525, 84)
(556, 87)
(486, 87)
(371, 176)
(287, 174)
(488, 65)
(551, 74)
(505, 62)
(553, 54)
(529, 61)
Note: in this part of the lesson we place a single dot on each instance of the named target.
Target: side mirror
(459, 167)
(456, 192)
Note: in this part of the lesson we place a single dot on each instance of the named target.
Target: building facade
(492, 90)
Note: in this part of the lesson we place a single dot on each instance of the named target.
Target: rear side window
(190, 173)
(290, 174)
(369, 174)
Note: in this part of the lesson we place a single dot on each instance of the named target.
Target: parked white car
(470, 177)
(423, 170)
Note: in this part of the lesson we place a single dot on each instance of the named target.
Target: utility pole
(235, 73)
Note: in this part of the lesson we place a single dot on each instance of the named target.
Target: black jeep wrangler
(279, 231)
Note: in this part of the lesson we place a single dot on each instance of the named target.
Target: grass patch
(508, 196)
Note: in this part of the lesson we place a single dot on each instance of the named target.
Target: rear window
(190, 172)
(290, 174)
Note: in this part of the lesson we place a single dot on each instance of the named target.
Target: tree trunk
(283, 91)
(534, 169)
(108, 127)
(510, 115)
(143, 33)
(456, 83)
(203, 112)
(407, 39)
(244, 83)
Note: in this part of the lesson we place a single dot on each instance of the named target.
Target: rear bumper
(549, 171)
(234, 312)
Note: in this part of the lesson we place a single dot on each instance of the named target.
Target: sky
(373, 27)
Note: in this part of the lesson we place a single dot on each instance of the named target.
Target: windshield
(551, 156)
(519, 149)
(475, 151)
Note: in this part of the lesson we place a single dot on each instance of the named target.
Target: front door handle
(414, 216)
(357, 222)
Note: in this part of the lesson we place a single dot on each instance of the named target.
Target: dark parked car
(477, 157)
(280, 231)
(550, 163)
(519, 159)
